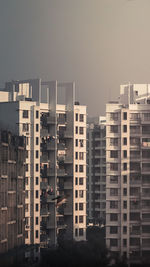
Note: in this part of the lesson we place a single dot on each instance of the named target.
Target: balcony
(51, 145)
(68, 160)
(61, 146)
(44, 158)
(51, 120)
(61, 172)
(43, 185)
(68, 211)
(61, 224)
(51, 171)
(44, 212)
(68, 134)
(67, 185)
(61, 120)
(44, 132)
(50, 224)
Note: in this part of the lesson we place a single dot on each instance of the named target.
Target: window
(125, 204)
(26, 207)
(113, 217)
(113, 129)
(76, 232)
(76, 168)
(113, 229)
(76, 193)
(76, 142)
(113, 141)
(124, 242)
(25, 127)
(125, 191)
(37, 233)
(37, 180)
(81, 181)
(124, 128)
(80, 206)
(37, 127)
(37, 220)
(37, 193)
(124, 179)
(76, 206)
(76, 155)
(124, 216)
(114, 153)
(81, 142)
(27, 167)
(27, 141)
(37, 207)
(124, 141)
(76, 116)
(37, 140)
(125, 115)
(113, 191)
(37, 114)
(114, 166)
(114, 179)
(80, 219)
(26, 180)
(113, 242)
(76, 181)
(26, 234)
(124, 166)
(81, 193)
(76, 219)
(80, 231)
(81, 118)
(27, 154)
(37, 167)
(25, 114)
(37, 154)
(113, 116)
(26, 194)
(81, 169)
(81, 156)
(81, 130)
(76, 129)
(124, 229)
(113, 204)
(125, 153)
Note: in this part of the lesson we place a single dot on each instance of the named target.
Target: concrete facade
(127, 183)
(96, 170)
(12, 191)
(56, 157)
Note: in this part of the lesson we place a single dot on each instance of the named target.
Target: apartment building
(55, 133)
(96, 170)
(12, 191)
(128, 166)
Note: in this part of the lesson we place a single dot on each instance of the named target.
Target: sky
(99, 44)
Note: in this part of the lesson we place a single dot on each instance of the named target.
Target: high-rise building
(96, 170)
(128, 167)
(55, 129)
(12, 191)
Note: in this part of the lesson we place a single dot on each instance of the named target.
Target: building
(128, 167)
(55, 133)
(12, 191)
(96, 170)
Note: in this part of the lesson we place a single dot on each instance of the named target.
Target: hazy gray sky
(99, 44)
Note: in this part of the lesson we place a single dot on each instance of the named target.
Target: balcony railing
(61, 172)
(43, 185)
(51, 145)
(60, 146)
(51, 120)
